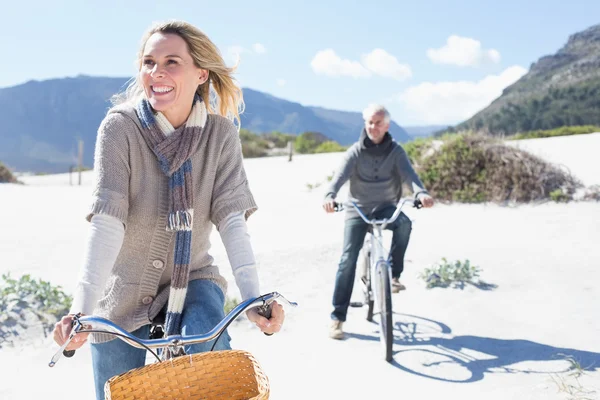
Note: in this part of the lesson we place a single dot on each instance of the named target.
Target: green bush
(256, 145)
(253, 145)
(5, 175)
(562, 131)
(559, 196)
(308, 142)
(474, 168)
(28, 303)
(329, 147)
(592, 193)
(230, 304)
(42, 295)
(253, 150)
(278, 139)
(415, 148)
(448, 273)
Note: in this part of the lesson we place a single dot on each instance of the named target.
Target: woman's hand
(329, 205)
(271, 325)
(62, 330)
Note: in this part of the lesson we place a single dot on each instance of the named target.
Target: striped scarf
(173, 148)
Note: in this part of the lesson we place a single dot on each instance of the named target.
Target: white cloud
(259, 48)
(382, 63)
(464, 52)
(377, 62)
(281, 82)
(326, 62)
(235, 52)
(453, 102)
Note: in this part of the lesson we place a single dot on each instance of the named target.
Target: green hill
(560, 89)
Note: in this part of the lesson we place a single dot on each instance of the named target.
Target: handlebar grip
(68, 353)
(265, 311)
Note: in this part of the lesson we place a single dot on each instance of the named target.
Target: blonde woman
(168, 166)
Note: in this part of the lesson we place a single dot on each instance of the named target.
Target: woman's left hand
(271, 325)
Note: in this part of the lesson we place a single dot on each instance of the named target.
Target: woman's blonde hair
(220, 92)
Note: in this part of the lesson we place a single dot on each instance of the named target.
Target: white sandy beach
(507, 342)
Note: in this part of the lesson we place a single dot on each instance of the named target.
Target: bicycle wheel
(383, 293)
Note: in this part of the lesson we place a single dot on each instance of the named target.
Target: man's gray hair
(373, 109)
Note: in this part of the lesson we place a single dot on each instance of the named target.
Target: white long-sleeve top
(105, 241)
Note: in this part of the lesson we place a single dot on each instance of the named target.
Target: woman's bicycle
(225, 374)
(376, 272)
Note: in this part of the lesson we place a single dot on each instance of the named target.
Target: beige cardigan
(130, 186)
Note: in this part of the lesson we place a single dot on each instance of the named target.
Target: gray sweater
(376, 174)
(131, 187)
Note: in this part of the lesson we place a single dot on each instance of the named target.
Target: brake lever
(417, 204)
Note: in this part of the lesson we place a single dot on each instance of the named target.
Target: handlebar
(92, 324)
(415, 203)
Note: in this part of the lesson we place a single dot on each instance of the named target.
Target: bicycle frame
(175, 343)
(378, 256)
(379, 274)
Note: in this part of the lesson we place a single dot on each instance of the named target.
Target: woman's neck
(178, 117)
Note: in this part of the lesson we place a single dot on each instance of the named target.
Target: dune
(575, 154)
(508, 340)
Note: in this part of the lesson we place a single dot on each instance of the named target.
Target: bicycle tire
(384, 294)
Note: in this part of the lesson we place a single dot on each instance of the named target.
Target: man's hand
(426, 200)
(271, 325)
(329, 205)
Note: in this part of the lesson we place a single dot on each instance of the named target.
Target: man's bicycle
(376, 272)
(226, 374)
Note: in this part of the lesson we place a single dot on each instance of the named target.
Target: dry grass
(5, 175)
(475, 168)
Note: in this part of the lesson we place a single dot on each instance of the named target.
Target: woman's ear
(203, 77)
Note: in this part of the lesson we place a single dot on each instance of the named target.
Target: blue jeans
(355, 230)
(203, 310)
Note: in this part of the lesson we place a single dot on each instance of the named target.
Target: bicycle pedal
(357, 304)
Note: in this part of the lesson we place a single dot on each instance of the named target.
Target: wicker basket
(227, 374)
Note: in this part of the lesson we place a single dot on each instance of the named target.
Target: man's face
(376, 127)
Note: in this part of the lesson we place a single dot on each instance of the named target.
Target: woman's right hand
(62, 330)
(329, 205)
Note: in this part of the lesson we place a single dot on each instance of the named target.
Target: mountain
(423, 131)
(42, 120)
(560, 89)
(265, 113)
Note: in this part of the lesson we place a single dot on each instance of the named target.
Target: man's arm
(410, 178)
(342, 174)
(340, 177)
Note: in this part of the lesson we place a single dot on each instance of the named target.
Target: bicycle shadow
(428, 349)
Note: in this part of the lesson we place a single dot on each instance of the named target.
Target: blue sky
(429, 62)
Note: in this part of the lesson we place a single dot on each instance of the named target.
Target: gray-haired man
(376, 167)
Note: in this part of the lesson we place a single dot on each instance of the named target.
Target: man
(377, 167)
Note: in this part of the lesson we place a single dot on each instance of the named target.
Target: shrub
(562, 131)
(230, 304)
(29, 303)
(5, 175)
(446, 273)
(474, 168)
(592, 193)
(308, 141)
(329, 147)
